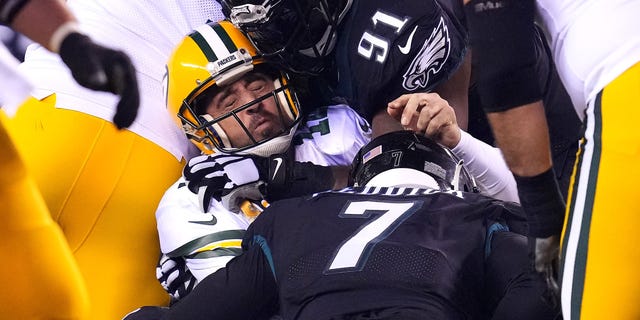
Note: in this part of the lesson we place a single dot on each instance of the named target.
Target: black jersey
(389, 48)
(399, 253)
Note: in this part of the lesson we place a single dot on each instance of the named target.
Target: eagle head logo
(430, 59)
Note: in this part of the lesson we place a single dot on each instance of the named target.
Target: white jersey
(330, 136)
(147, 31)
(593, 42)
(15, 86)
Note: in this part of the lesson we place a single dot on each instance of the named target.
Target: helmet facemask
(234, 131)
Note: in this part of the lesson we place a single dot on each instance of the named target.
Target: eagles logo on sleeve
(429, 61)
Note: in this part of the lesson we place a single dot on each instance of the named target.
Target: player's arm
(509, 90)
(429, 114)
(328, 145)
(329, 149)
(38, 20)
(335, 140)
(513, 289)
(206, 241)
(244, 289)
(486, 164)
(51, 24)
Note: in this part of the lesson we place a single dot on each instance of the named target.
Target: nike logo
(211, 222)
(407, 47)
(278, 164)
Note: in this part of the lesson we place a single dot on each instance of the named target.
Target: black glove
(103, 69)
(230, 178)
(175, 277)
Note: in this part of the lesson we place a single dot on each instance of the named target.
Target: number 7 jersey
(405, 252)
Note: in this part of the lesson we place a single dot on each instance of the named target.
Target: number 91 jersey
(389, 48)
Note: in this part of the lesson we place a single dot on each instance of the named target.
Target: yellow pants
(601, 244)
(102, 187)
(39, 276)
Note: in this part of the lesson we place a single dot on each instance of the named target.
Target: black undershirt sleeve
(503, 37)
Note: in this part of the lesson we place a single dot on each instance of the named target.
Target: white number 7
(353, 253)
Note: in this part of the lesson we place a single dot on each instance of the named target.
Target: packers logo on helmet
(208, 60)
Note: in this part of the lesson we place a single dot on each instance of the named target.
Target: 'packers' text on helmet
(408, 150)
(201, 94)
(298, 34)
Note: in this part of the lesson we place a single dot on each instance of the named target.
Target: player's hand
(175, 277)
(429, 114)
(547, 257)
(147, 313)
(233, 178)
(225, 177)
(96, 67)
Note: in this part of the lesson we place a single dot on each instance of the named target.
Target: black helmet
(298, 34)
(406, 149)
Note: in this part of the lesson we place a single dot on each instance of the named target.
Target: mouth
(263, 129)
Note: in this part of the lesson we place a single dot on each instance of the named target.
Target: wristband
(61, 33)
(542, 202)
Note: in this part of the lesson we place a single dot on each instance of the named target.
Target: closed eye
(257, 85)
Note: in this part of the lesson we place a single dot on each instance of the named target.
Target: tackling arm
(245, 289)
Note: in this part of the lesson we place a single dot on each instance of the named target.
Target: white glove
(547, 257)
(175, 277)
(226, 178)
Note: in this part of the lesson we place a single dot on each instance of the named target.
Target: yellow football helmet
(213, 56)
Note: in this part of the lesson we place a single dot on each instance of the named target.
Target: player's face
(262, 119)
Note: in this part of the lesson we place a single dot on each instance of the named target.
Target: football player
(245, 116)
(602, 83)
(382, 51)
(101, 184)
(416, 46)
(411, 240)
(45, 263)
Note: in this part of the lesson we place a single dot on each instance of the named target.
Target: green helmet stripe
(200, 40)
(224, 36)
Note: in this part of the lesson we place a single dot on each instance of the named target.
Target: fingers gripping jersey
(386, 50)
(330, 136)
